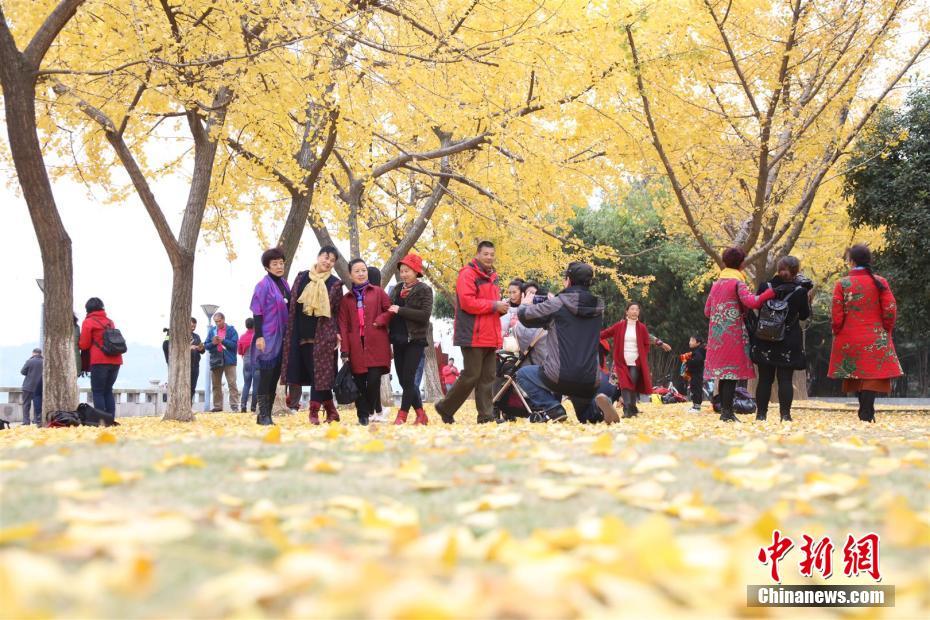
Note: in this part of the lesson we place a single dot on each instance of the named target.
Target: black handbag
(344, 388)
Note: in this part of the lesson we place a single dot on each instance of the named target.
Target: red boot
(421, 417)
(401, 417)
(332, 414)
(314, 413)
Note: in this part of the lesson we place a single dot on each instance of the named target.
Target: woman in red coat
(363, 329)
(631, 342)
(103, 368)
(864, 314)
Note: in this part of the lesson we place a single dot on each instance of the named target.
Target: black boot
(761, 416)
(264, 411)
(727, 416)
(786, 415)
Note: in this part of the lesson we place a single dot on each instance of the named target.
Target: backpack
(58, 419)
(112, 343)
(91, 416)
(773, 319)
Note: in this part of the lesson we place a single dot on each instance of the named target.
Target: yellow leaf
(375, 445)
(273, 435)
(110, 477)
(603, 445)
(23, 531)
(272, 462)
(185, 460)
(321, 466)
(105, 437)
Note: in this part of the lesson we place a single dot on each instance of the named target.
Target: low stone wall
(130, 402)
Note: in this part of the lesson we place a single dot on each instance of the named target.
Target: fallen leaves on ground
(660, 515)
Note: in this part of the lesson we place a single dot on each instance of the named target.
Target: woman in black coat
(781, 359)
(412, 303)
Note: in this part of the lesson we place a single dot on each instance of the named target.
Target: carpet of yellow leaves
(662, 515)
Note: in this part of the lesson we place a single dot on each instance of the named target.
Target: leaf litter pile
(661, 515)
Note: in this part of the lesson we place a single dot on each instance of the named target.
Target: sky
(118, 258)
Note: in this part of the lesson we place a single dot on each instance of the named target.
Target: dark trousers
(33, 401)
(591, 414)
(767, 375)
(407, 358)
(369, 391)
(102, 378)
(419, 375)
(630, 397)
(727, 392)
(195, 374)
(477, 375)
(867, 404)
(697, 389)
(249, 385)
(268, 380)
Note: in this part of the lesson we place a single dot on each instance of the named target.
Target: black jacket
(573, 319)
(695, 364)
(789, 353)
(416, 311)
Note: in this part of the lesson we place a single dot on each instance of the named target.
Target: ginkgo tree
(161, 63)
(749, 107)
(36, 26)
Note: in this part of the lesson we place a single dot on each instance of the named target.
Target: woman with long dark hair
(363, 328)
(727, 338)
(864, 315)
(781, 358)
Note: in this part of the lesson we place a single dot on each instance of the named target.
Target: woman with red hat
(412, 301)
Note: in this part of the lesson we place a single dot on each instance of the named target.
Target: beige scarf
(315, 296)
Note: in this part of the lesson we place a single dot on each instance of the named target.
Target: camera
(538, 299)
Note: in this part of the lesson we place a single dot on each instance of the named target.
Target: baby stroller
(509, 400)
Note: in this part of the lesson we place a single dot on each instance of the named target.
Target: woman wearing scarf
(269, 313)
(864, 314)
(727, 339)
(363, 328)
(313, 333)
(631, 342)
(412, 303)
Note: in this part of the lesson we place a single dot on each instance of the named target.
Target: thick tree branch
(47, 33)
(660, 149)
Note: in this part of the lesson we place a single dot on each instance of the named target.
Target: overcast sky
(118, 257)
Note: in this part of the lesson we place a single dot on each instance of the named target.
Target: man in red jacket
(477, 331)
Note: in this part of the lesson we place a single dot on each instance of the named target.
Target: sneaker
(693, 409)
(379, 416)
(607, 408)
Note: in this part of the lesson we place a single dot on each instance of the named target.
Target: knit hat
(414, 262)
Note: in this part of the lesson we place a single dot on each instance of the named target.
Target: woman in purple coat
(269, 309)
(727, 339)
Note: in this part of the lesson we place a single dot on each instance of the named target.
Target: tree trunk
(432, 384)
(799, 381)
(59, 372)
(179, 352)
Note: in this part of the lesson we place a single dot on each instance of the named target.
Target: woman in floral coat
(864, 314)
(727, 339)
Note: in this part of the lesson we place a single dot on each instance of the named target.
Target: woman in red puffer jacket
(103, 368)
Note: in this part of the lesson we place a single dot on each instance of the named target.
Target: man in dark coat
(573, 319)
(32, 387)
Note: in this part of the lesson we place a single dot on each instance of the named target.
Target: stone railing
(130, 402)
